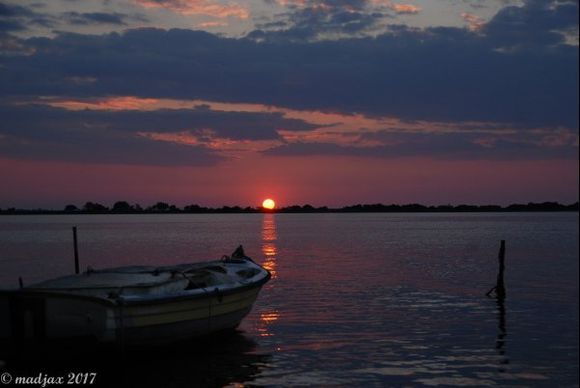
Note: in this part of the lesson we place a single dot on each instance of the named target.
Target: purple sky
(306, 101)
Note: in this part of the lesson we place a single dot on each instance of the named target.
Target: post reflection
(269, 238)
(499, 292)
(501, 334)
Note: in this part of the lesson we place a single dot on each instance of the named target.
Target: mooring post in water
(500, 285)
(76, 250)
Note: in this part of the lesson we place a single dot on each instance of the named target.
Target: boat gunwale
(156, 299)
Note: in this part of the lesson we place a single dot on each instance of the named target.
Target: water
(355, 299)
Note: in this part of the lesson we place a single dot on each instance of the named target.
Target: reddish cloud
(361, 134)
(399, 8)
(292, 3)
(232, 148)
(110, 103)
(326, 122)
(405, 8)
(198, 7)
(212, 24)
(474, 22)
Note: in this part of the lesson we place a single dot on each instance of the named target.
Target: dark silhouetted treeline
(124, 207)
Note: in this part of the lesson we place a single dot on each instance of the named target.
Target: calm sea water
(355, 299)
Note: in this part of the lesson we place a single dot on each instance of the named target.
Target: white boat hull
(38, 315)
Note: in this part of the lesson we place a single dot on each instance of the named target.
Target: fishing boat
(134, 305)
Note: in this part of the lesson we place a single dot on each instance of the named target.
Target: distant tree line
(124, 207)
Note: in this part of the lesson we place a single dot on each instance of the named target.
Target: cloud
(435, 74)
(133, 136)
(350, 5)
(405, 9)
(444, 146)
(229, 129)
(198, 7)
(316, 22)
(399, 8)
(537, 23)
(106, 149)
(19, 18)
(212, 24)
(319, 19)
(39, 133)
(137, 114)
(88, 18)
(55, 138)
(11, 45)
(474, 22)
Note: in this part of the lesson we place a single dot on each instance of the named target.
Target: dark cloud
(312, 24)
(41, 120)
(41, 132)
(11, 25)
(106, 148)
(11, 10)
(481, 4)
(88, 18)
(276, 25)
(538, 23)
(18, 18)
(12, 17)
(313, 19)
(11, 45)
(448, 146)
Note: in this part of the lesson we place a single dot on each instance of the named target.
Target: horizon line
(124, 207)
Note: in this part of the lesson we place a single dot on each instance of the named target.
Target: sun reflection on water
(269, 237)
(269, 251)
(266, 319)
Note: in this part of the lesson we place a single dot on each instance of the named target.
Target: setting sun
(269, 204)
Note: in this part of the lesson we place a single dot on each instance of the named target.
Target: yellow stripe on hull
(137, 316)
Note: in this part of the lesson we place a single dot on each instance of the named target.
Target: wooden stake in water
(76, 250)
(500, 284)
(500, 287)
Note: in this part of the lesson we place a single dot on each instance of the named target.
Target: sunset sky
(332, 102)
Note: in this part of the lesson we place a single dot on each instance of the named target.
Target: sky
(325, 102)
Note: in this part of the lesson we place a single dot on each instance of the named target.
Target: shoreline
(329, 211)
